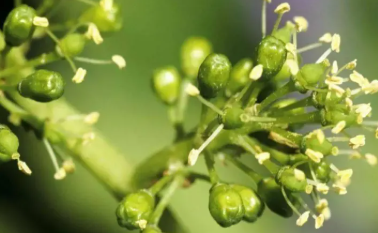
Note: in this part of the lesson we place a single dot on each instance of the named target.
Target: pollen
(334, 80)
(309, 189)
(363, 109)
(357, 142)
(301, 23)
(262, 157)
(339, 90)
(314, 155)
(256, 72)
(119, 61)
(79, 76)
(41, 21)
(282, 8)
(336, 42)
(345, 175)
(326, 38)
(359, 79)
(192, 90)
(94, 34)
(339, 127)
(303, 218)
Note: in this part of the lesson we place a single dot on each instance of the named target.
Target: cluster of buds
(246, 110)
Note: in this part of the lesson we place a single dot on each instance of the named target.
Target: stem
(309, 47)
(160, 208)
(311, 117)
(293, 138)
(263, 19)
(286, 89)
(247, 170)
(210, 105)
(93, 61)
(51, 154)
(306, 102)
(255, 93)
(277, 23)
(199, 176)
(209, 158)
(289, 202)
(158, 186)
(281, 157)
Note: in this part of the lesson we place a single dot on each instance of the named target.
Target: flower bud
(134, 208)
(213, 75)
(231, 119)
(42, 86)
(311, 141)
(292, 179)
(270, 192)
(239, 76)
(284, 34)
(193, 53)
(253, 205)
(151, 229)
(8, 143)
(310, 75)
(271, 54)
(106, 19)
(225, 205)
(71, 45)
(166, 84)
(337, 113)
(322, 171)
(18, 26)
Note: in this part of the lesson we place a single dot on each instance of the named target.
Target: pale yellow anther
(352, 65)
(293, 66)
(323, 188)
(326, 38)
(94, 34)
(363, 109)
(79, 75)
(339, 90)
(320, 135)
(340, 126)
(336, 42)
(16, 156)
(193, 157)
(323, 203)
(349, 102)
(371, 88)
(69, 166)
(357, 142)
(92, 118)
(355, 155)
(309, 189)
(322, 208)
(88, 137)
(359, 79)
(256, 72)
(60, 174)
(339, 189)
(299, 175)
(345, 175)
(119, 61)
(371, 159)
(301, 23)
(282, 8)
(326, 62)
(326, 212)
(142, 223)
(41, 21)
(314, 155)
(319, 221)
(22, 166)
(192, 90)
(303, 218)
(335, 67)
(334, 80)
(262, 157)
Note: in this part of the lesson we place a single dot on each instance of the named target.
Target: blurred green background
(137, 123)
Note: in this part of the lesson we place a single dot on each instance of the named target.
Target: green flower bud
(253, 205)
(193, 53)
(321, 99)
(271, 54)
(134, 208)
(239, 76)
(72, 45)
(42, 86)
(293, 180)
(18, 26)
(151, 229)
(322, 171)
(285, 33)
(310, 75)
(311, 141)
(213, 75)
(166, 84)
(270, 192)
(225, 205)
(106, 20)
(232, 118)
(8, 143)
(337, 113)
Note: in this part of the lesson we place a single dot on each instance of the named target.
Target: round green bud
(270, 192)
(321, 99)
(253, 205)
(239, 76)
(271, 54)
(18, 26)
(312, 142)
(193, 53)
(231, 119)
(322, 171)
(42, 86)
(166, 84)
(310, 74)
(213, 75)
(285, 33)
(288, 178)
(225, 205)
(106, 20)
(8, 143)
(135, 207)
(339, 112)
(71, 45)
(151, 229)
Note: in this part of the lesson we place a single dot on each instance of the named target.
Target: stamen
(335, 68)
(59, 172)
(301, 23)
(345, 175)
(323, 188)
(314, 155)
(339, 189)
(359, 79)
(319, 220)
(256, 72)
(262, 157)
(336, 42)
(351, 65)
(324, 56)
(363, 109)
(192, 90)
(209, 105)
(357, 142)
(69, 166)
(92, 118)
(309, 189)
(299, 175)
(94, 34)
(309, 47)
(119, 61)
(303, 218)
(22, 166)
(87, 138)
(293, 66)
(326, 38)
(107, 5)
(41, 21)
(263, 17)
(280, 10)
(371, 159)
(79, 75)
(339, 127)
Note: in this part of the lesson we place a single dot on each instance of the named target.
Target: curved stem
(209, 158)
(286, 89)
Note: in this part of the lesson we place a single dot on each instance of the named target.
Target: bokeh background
(137, 123)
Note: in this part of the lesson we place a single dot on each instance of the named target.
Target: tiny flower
(339, 127)
(357, 142)
(345, 175)
(319, 220)
(262, 157)
(303, 218)
(69, 166)
(192, 90)
(92, 118)
(335, 67)
(293, 66)
(282, 8)
(41, 21)
(371, 159)
(309, 189)
(299, 175)
(326, 38)
(351, 65)
(79, 76)
(256, 72)
(301, 23)
(119, 61)
(94, 34)
(335, 44)
(339, 189)
(363, 109)
(193, 156)
(323, 188)
(314, 155)
(22, 166)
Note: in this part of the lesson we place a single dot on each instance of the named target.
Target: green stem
(209, 158)
(306, 102)
(247, 170)
(289, 202)
(166, 197)
(158, 186)
(281, 157)
(293, 138)
(255, 93)
(277, 23)
(286, 89)
(199, 176)
(311, 117)
(45, 6)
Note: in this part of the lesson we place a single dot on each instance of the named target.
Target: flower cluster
(246, 111)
